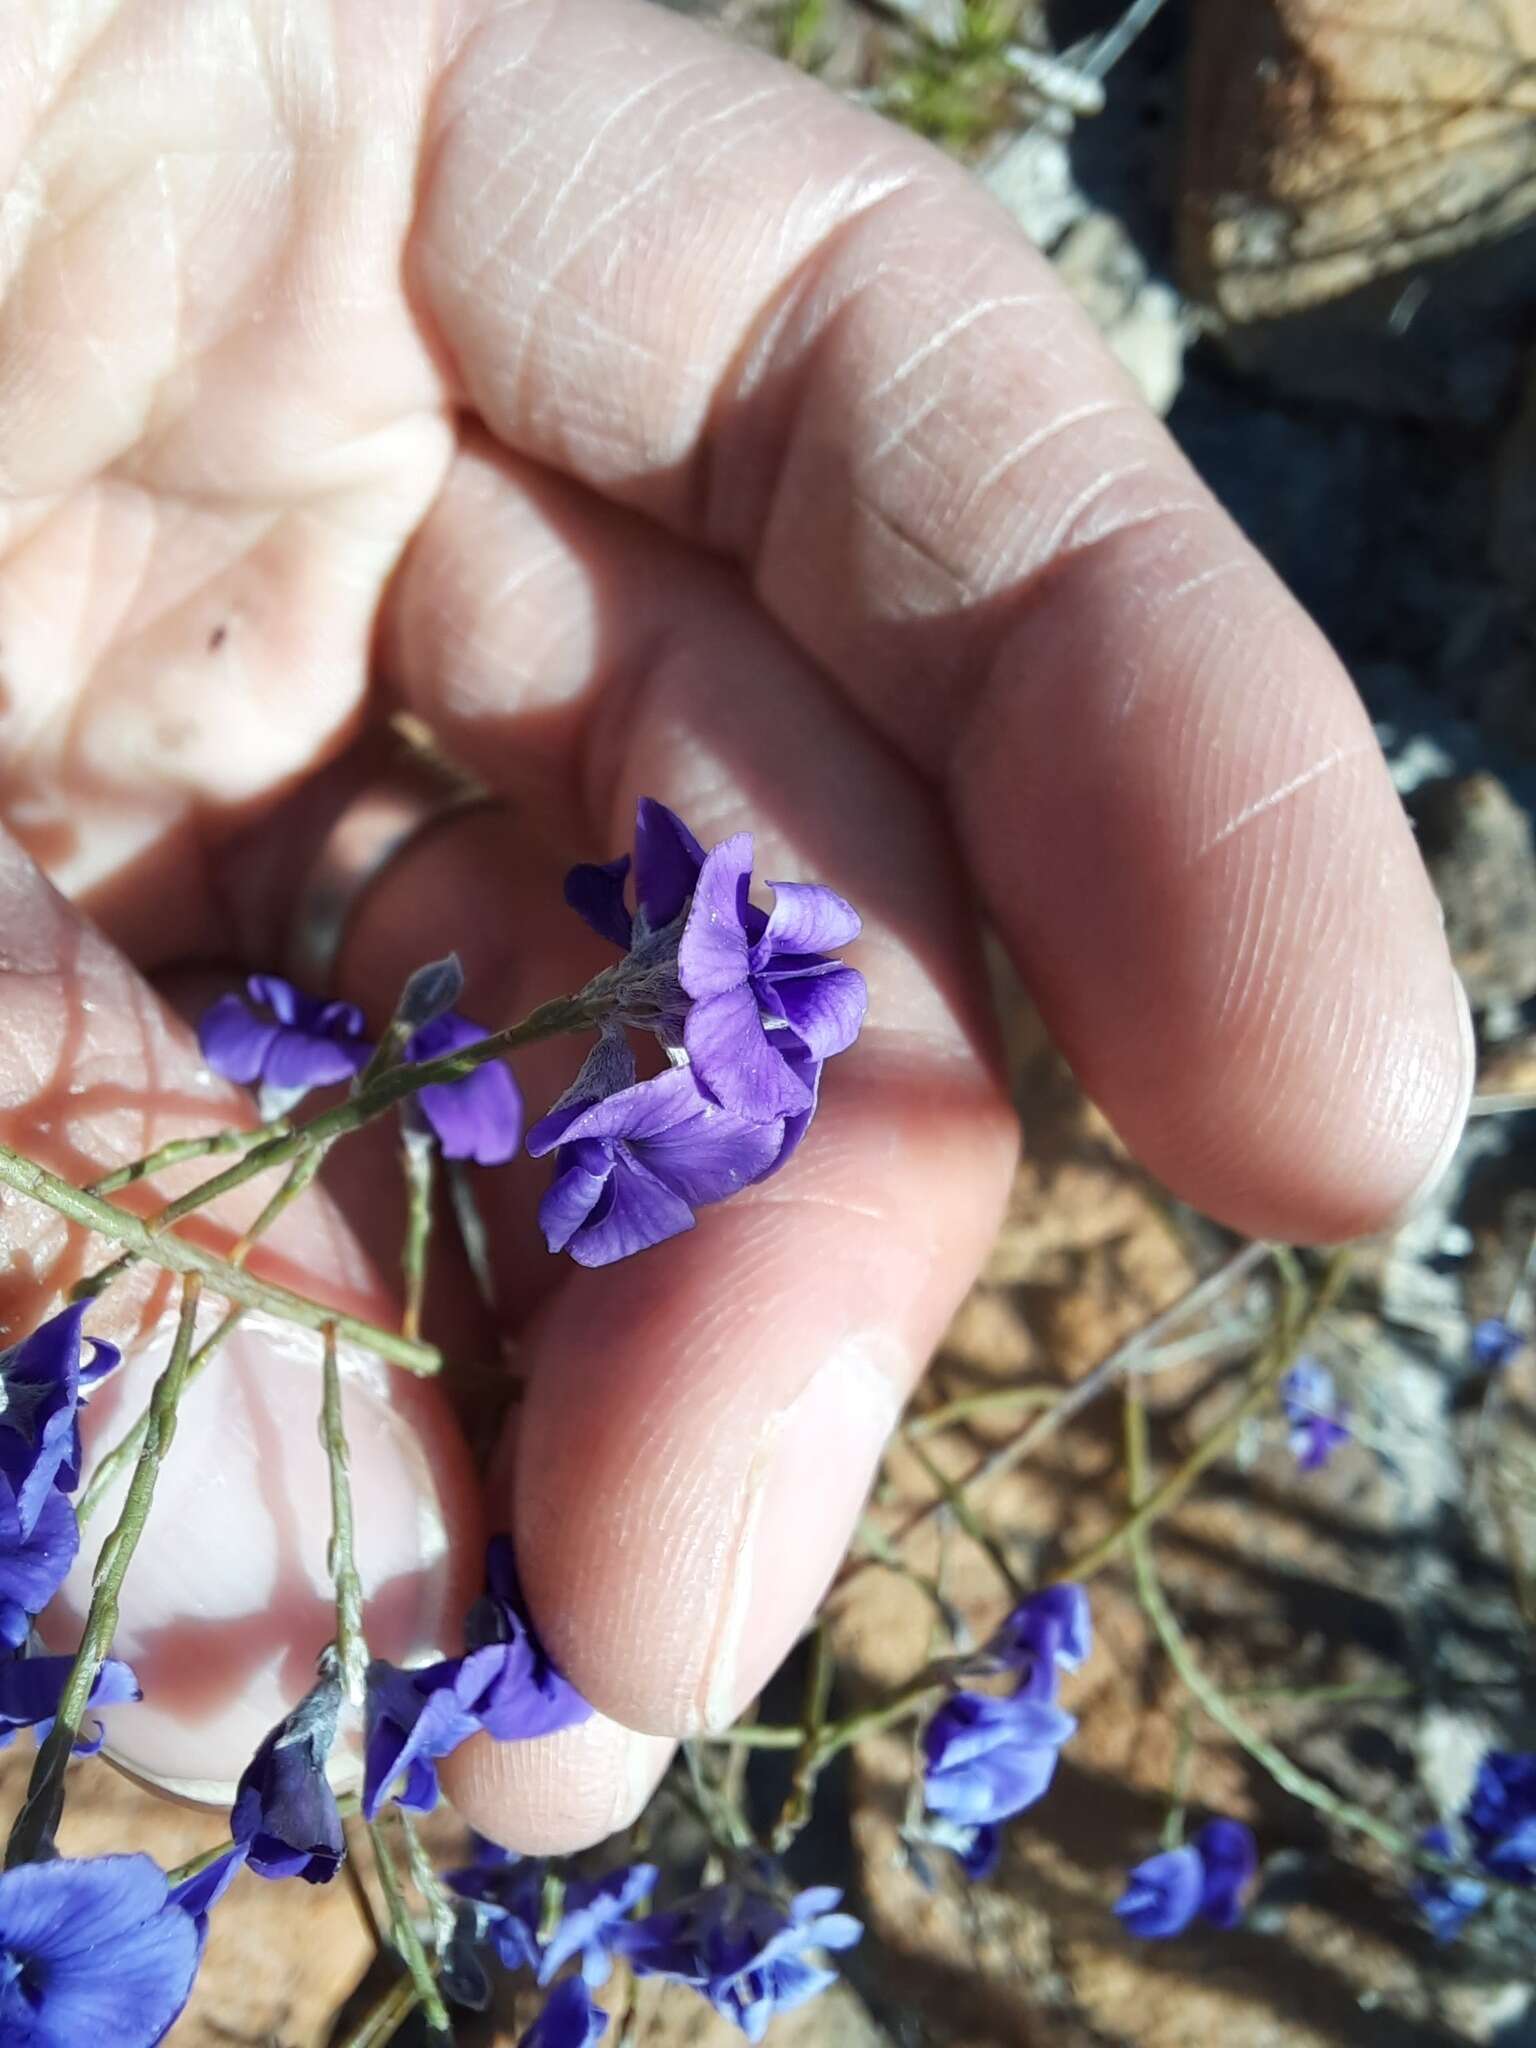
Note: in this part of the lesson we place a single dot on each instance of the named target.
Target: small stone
(1476, 842)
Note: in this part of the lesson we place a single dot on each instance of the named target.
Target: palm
(649, 421)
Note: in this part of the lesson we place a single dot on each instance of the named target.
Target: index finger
(702, 285)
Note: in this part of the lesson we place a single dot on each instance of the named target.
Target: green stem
(418, 1157)
(1211, 1446)
(407, 1941)
(969, 1521)
(298, 1178)
(351, 1648)
(983, 1402)
(179, 1255)
(122, 1454)
(36, 1824)
(796, 1810)
(549, 1020)
(427, 1882)
(1210, 1698)
(387, 2017)
(179, 1150)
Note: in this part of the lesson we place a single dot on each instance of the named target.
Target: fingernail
(808, 1479)
(1450, 1144)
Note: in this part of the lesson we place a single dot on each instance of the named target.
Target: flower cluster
(283, 1043)
(743, 1947)
(1317, 1417)
(988, 1757)
(747, 1004)
(41, 1382)
(1204, 1879)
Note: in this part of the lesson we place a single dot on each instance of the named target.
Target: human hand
(644, 419)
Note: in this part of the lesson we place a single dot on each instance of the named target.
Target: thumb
(227, 1601)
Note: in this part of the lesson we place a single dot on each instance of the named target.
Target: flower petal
(297, 1059)
(712, 954)
(574, 1194)
(712, 1154)
(641, 1213)
(667, 862)
(595, 891)
(735, 1061)
(232, 1041)
(108, 1957)
(806, 918)
(1162, 1895)
(823, 1006)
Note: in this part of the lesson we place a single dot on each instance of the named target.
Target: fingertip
(558, 1793)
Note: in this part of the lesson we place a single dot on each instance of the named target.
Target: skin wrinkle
(1282, 793)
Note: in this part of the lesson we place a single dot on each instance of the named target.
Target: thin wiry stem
(36, 1824)
(351, 1647)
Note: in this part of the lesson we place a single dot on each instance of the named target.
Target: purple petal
(1230, 1857)
(479, 1117)
(104, 1956)
(595, 891)
(712, 1155)
(297, 1059)
(807, 918)
(712, 956)
(667, 862)
(232, 1041)
(643, 1111)
(823, 1006)
(199, 1894)
(1162, 1895)
(735, 1061)
(569, 2019)
(573, 1196)
(640, 1213)
(272, 992)
(34, 1566)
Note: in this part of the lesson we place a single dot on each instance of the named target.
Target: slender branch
(36, 1824)
(801, 1797)
(179, 1150)
(1209, 1696)
(120, 1457)
(1078, 1396)
(179, 1255)
(407, 1941)
(983, 1402)
(418, 1157)
(426, 1880)
(1211, 1446)
(969, 1521)
(388, 2016)
(341, 1557)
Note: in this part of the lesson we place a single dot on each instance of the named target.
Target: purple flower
(92, 1950)
(1050, 1632)
(40, 1382)
(31, 1688)
(1495, 1343)
(634, 1164)
(506, 1686)
(33, 1562)
(1500, 1816)
(594, 1917)
(281, 1041)
(1208, 1877)
(569, 2019)
(988, 1759)
(198, 1894)
(667, 863)
(479, 1117)
(509, 1890)
(760, 983)
(1315, 1413)
(285, 1814)
(1447, 1903)
(744, 1951)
